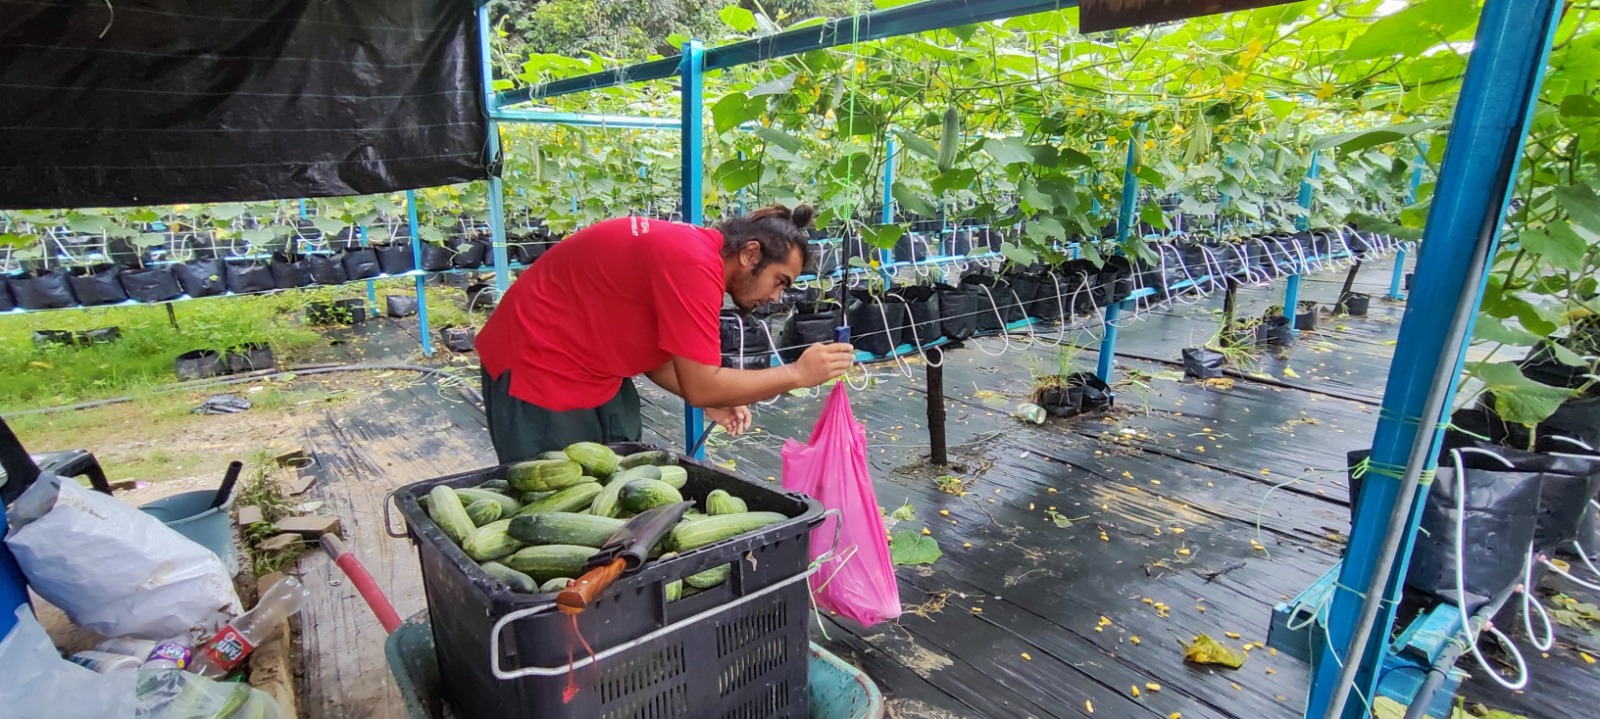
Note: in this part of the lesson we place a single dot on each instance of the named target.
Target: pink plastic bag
(859, 582)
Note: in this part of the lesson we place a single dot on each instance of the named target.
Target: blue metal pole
(1291, 290)
(1130, 201)
(302, 208)
(1130, 185)
(584, 119)
(1400, 257)
(886, 257)
(422, 277)
(497, 188)
(1462, 232)
(692, 90)
(372, 295)
(1108, 344)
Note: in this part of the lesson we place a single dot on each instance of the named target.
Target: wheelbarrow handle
(577, 596)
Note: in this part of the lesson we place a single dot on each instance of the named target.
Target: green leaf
(738, 18)
(144, 240)
(915, 143)
(736, 174)
(1045, 230)
(1033, 199)
(773, 87)
(1574, 106)
(1581, 204)
(328, 225)
(780, 138)
(1068, 157)
(1558, 244)
(1018, 255)
(1363, 139)
(1151, 176)
(882, 237)
(1516, 398)
(1009, 151)
(908, 547)
(1151, 213)
(256, 236)
(677, 39)
(904, 512)
(1410, 31)
(959, 178)
(733, 110)
(1493, 330)
(911, 201)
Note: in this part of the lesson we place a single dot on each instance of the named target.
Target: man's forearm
(727, 387)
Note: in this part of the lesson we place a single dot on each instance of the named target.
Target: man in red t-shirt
(638, 296)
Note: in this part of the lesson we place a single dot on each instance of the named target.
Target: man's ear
(750, 256)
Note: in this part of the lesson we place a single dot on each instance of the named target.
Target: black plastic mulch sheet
(145, 102)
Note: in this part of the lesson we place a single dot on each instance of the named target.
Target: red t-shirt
(613, 300)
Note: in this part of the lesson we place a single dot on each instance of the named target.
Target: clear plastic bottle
(239, 637)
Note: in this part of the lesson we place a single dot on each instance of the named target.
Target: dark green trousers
(521, 430)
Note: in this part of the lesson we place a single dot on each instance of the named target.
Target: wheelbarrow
(838, 690)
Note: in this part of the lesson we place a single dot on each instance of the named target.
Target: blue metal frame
(1398, 276)
(1125, 213)
(692, 90)
(497, 191)
(1291, 288)
(422, 278)
(1492, 115)
(903, 20)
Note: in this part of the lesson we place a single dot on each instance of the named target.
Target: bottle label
(174, 652)
(228, 648)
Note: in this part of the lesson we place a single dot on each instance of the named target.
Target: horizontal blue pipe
(584, 119)
(903, 20)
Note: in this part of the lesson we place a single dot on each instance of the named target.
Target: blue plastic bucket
(191, 515)
(13, 586)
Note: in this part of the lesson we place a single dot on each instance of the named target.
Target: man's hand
(735, 420)
(823, 362)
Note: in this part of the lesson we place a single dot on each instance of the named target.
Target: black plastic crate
(701, 658)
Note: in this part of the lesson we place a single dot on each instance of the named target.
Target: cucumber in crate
(714, 624)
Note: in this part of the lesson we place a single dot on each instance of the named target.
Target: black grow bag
(248, 277)
(100, 336)
(744, 341)
(361, 264)
(1306, 318)
(1052, 298)
(809, 324)
(468, 254)
(958, 243)
(7, 304)
(457, 339)
(201, 278)
(288, 274)
(1354, 304)
(1498, 529)
(436, 258)
(199, 364)
(875, 325)
(400, 305)
(1570, 475)
(1276, 330)
(47, 338)
(997, 303)
(150, 284)
(922, 315)
(327, 269)
(345, 240)
(248, 358)
(1202, 363)
(1073, 395)
(1114, 283)
(958, 311)
(396, 259)
(481, 296)
(97, 285)
(1025, 285)
(353, 309)
(43, 290)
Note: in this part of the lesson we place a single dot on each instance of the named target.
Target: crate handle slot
(388, 524)
(502, 674)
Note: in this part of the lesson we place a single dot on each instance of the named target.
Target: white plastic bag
(39, 684)
(114, 569)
